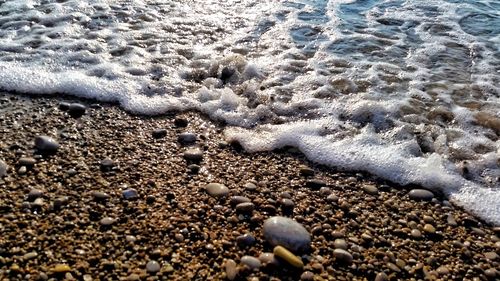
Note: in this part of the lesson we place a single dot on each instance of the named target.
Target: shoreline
(174, 222)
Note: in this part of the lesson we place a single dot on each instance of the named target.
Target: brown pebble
(231, 269)
(381, 276)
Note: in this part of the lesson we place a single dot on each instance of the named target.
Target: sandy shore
(66, 215)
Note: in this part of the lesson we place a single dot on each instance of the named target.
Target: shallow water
(406, 90)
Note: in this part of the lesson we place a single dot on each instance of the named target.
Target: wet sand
(77, 222)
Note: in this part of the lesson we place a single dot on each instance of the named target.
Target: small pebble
(268, 258)
(288, 256)
(34, 194)
(421, 194)
(307, 276)
(370, 189)
(29, 256)
(343, 256)
(235, 200)
(63, 106)
(61, 268)
(250, 186)
(245, 240)
(26, 161)
(130, 194)
(217, 189)
(187, 138)
(251, 262)
(3, 168)
(231, 269)
(286, 232)
(46, 144)
(159, 133)
(340, 244)
(193, 154)
(180, 122)
(443, 270)
(76, 110)
(153, 267)
(106, 165)
(315, 183)
(429, 228)
(491, 256)
(381, 276)
(100, 196)
(415, 233)
(246, 207)
(107, 221)
(306, 171)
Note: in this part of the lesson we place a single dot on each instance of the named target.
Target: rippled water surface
(406, 90)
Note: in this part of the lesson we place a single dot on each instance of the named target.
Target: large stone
(46, 144)
(217, 189)
(287, 233)
(421, 194)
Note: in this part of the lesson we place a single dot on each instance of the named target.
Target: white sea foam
(406, 91)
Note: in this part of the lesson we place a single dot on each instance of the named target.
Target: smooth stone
(100, 196)
(235, 200)
(29, 256)
(106, 164)
(443, 270)
(491, 255)
(245, 239)
(332, 198)
(325, 191)
(288, 256)
(3, 168)
(231, 269)
(251, 262)
(180, 122)
(76, 110)
(415, 233)
(343, 255)
(217, 189)
(393, 267)
(187, 138)
(268, 258)
(38, 203)
(250, 186)
(193, 154)
(46, 144)
(61, 268)
(34, 194)
(370, 189)
(153, 267)
(130, 193)
(306, 171)
(450, 219)
(429, 228)
(315, 183)
(287, 233)
(246, 207)
(159, 133)
(421, 194)
(107, 221)
(381, 276)
(340, 244)
(491, 273)
(63, 106)
(26, 161)
(307, 276)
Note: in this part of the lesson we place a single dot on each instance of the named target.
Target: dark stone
(180, 122)
(46, 145)
(76, 110)
(64, 106)
(315, 183)
(226, 73)
(107, 164)
(159, 133)
(187, 138)
(245, 240)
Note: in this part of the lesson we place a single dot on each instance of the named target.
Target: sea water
(405, 90)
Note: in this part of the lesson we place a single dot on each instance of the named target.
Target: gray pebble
(153, 267)
(34, 194)
(340, 244)
(343, 256)
(250, 186)
(217, 189)
(107, 221)
(130, 193)
(193, 154)
(287, 233)
(29, 256)
(251, 262)
(46, 144)
(26, 161)
(370, 189)
(268, 258)
(246, 239)
(76, 110)
(332, 198)
(187, 138)
(315, 183)
(100, 196)
(307, 276)
(421, 194)
(107, 164)
(3, 168)
(235, 200)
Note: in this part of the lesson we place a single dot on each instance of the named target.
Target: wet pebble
(235, 200)
(251, 262)
(246, 207)
(286, 232)
(153, 267)
(193, 154)
(217, 189)
(130, 194)
(268, 258)
(415, 233)
(159, 133)
(343, 256)
(100, 196)
(76, 110)
(64, 106)
(46, 144)
(186, 138)
(245, 240)
(421, 194)
(315, 183)
(106, 164)
(29, 256)
(381, 276)
(288, 256)
(3, 168)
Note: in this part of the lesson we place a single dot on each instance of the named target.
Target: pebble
(130, 194)
(429, 228)
(22, 170)
(61, 268)
(268, 258)
(370, 189)
(159, 133)
(63, 106)
(231, 269)
(450, 219)
(251, 262)
(287, 205)
(245, 240)
(491, 255)
(306, 171)
(421, 194)
(193, 154)
(381, 276)
(246, 207)
(26, 161)
(287, 233)
(288, 256)
(29, 256)
(307, 276)
(443, 270)
(332, 198)
(340, 244)
(491, 273)
(315, 183)
(343, 255)
(46, 144)
(250, 186)
(187, 138)
(107, 164)
(217, 189)
(415, 233)
(180, 122)
(3, 168)
(34, 194)
(153, 267)
(100, 196)
(107, 221)
(76, 110)
(235, 200)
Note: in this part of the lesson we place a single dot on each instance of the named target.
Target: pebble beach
(91, 192)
